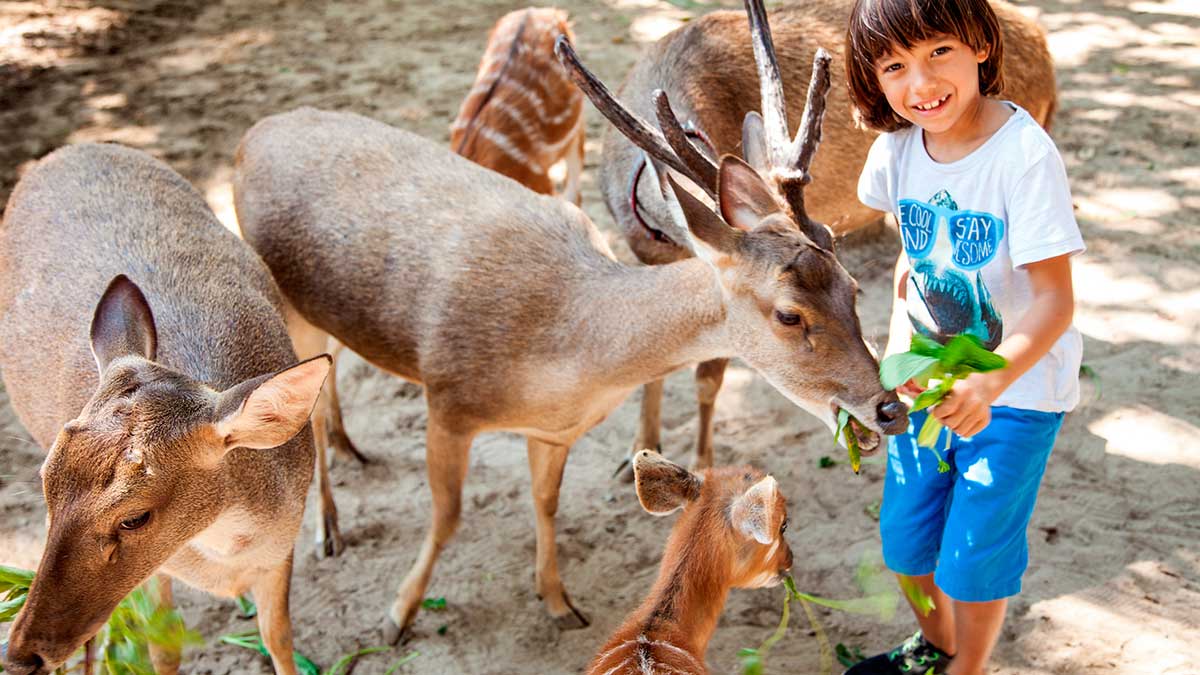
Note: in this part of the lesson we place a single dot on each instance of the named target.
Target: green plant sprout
(879, 599)
(936, 368)
(124, 641)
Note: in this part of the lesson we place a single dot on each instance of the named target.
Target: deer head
(138, 473)
(737, 518)
(790, 305)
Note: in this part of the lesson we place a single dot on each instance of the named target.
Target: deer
(729, 535)
(516, 316)
(707, 67)
(174, 422)
(523, 115)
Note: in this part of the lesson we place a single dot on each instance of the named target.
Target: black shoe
(917, 656)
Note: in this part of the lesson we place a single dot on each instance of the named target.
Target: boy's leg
(978, 626)
(939, 625)
(984, 551)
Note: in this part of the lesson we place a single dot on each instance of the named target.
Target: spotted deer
(174, 422)
(523, 115)
(708, 67)
(515, 315)
(729, 535)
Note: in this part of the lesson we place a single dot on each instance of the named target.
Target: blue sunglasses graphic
(974, 235)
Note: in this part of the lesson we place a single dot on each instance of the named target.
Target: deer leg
(709, 376)
(165, 659)
(572, 191)
(310, 341)
(446, 459)
(335, 428)
(649, 428)
(270, 592)
(546, 464)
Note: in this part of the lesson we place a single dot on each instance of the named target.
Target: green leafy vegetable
(847, 656)
(246, 607)
(846, 432)
(434, 604)
(937, 367)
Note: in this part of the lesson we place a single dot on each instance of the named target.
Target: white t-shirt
(967, 227)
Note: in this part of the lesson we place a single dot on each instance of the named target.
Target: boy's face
(933, 84)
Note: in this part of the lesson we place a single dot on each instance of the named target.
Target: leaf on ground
(434, 604)
(825, 462)
(407, 657)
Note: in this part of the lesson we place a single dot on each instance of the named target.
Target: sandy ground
(1114, 583)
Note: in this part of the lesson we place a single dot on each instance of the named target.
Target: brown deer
(169, 449)
(523, 115)
(707, 68)
(730, 535)
(514, 313)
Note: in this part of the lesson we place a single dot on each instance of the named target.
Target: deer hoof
(329, 543)
(393, 634)
(572, 620)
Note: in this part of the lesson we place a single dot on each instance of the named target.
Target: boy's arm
(967, 409)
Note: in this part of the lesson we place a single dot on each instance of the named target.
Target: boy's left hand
(967, 409)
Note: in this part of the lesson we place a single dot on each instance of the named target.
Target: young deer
(707, 68)
(169, 450)
(514, 313)
(730, 535)
(523, 115)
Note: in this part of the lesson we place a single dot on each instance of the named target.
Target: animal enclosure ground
(1114, 583)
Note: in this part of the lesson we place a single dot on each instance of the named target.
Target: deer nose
(23, 665)
(892, 417)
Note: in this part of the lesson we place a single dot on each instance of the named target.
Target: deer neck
(640, 323)
(693, 582)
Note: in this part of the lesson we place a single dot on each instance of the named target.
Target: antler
(675, 150)
(790, 159)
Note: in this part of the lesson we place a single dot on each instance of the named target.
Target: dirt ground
(1114, 582)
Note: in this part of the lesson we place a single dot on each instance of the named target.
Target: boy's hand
(910, 389)
(967, 409)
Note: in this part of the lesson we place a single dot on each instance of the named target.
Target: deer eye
(135, 523)
(788, 319)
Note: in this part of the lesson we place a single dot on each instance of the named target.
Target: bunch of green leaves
(137, 622)
(936, 368)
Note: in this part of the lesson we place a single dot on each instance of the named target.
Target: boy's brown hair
(877, 25)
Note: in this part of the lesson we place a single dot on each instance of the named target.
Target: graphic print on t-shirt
(946, 249)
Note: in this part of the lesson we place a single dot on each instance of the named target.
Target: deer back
(453, 268)
(707, 68)
(522, 111)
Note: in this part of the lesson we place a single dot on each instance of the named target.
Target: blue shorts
(966, 526)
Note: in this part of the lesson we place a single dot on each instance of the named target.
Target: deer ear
(754, 141)
(663, 486)
(754, 514)
(266, 411)
(744, 196)
(704, 223)
(122, 324)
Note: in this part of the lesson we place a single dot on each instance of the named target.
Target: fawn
(523, 115)
(515, 315)
(730, 535)
(708, 69)
(169, 450)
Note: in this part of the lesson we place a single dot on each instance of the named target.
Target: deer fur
(707, 68)
(511, 310)
(523, 115)
(730, 535)
(172, 448)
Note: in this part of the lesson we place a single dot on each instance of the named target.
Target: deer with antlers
(730, 535)
(174, 423)
(709, 68)
(516, 316)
